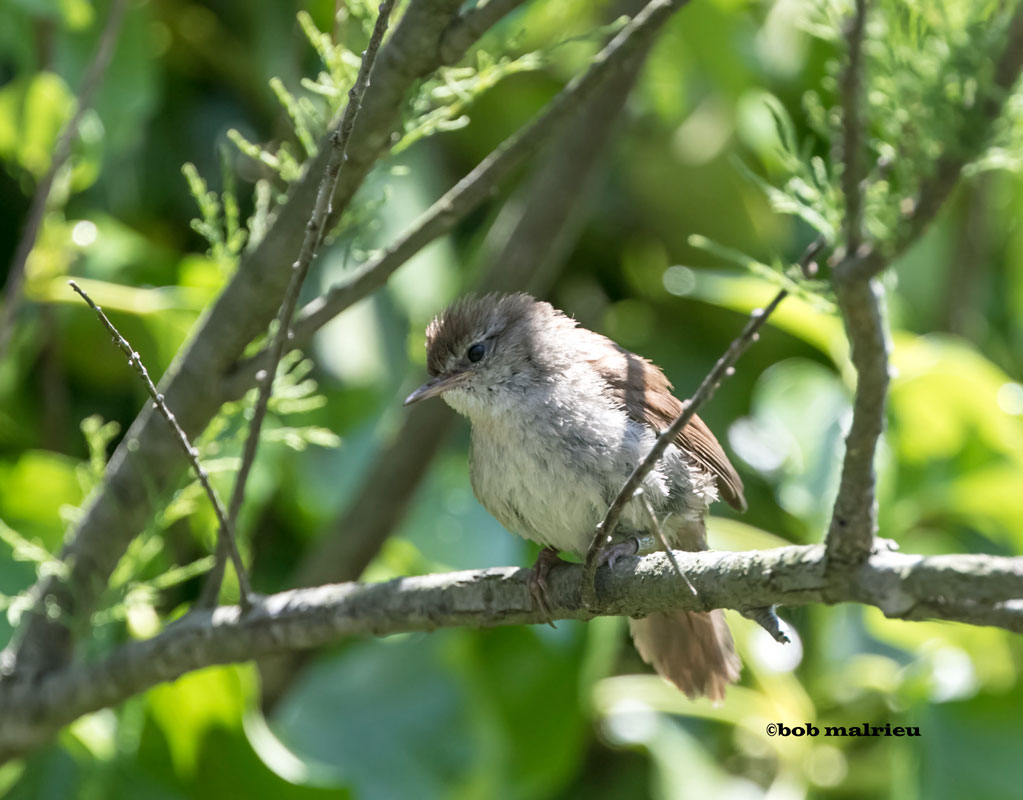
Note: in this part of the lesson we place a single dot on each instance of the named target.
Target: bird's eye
(475, 353)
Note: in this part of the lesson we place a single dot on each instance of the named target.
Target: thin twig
(86, 93)
(851, 89)
(656, 525)
(191, 453)
(807, 263)
(314, 235)
(721, 370)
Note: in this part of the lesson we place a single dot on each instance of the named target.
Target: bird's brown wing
(643, 389)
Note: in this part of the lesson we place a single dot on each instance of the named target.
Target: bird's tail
(693, 650)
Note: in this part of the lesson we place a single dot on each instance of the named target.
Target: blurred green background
(511, 712)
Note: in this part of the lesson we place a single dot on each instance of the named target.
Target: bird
(560, 416)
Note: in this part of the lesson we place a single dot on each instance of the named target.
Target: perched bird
(560, 416)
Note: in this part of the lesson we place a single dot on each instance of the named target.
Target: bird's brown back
(646, 393)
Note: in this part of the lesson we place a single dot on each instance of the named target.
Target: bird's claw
(538, 588)
(611, 553)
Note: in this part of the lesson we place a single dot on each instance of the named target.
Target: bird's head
(484, 353)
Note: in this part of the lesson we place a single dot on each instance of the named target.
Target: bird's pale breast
(550, 476)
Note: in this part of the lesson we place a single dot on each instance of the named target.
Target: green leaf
(34, 488)
(32, 112)
(187, 709)
(353, 711)
(944, 396)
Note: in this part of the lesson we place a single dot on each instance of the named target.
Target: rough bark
(983, 590)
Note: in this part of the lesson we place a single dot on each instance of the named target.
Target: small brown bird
(560, 417)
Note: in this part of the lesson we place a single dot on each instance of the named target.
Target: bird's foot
(538, 589)
(610, 553)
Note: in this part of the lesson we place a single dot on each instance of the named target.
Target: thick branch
(854, 518)
(902, 586)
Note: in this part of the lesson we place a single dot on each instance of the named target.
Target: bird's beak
(435, 386)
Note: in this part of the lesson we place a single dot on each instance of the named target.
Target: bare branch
(299, 269)
(1007, 614)
(704, 392)
(192, 454)
(854, 518)
(87, 91)
(988, 589)
(851, 88)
